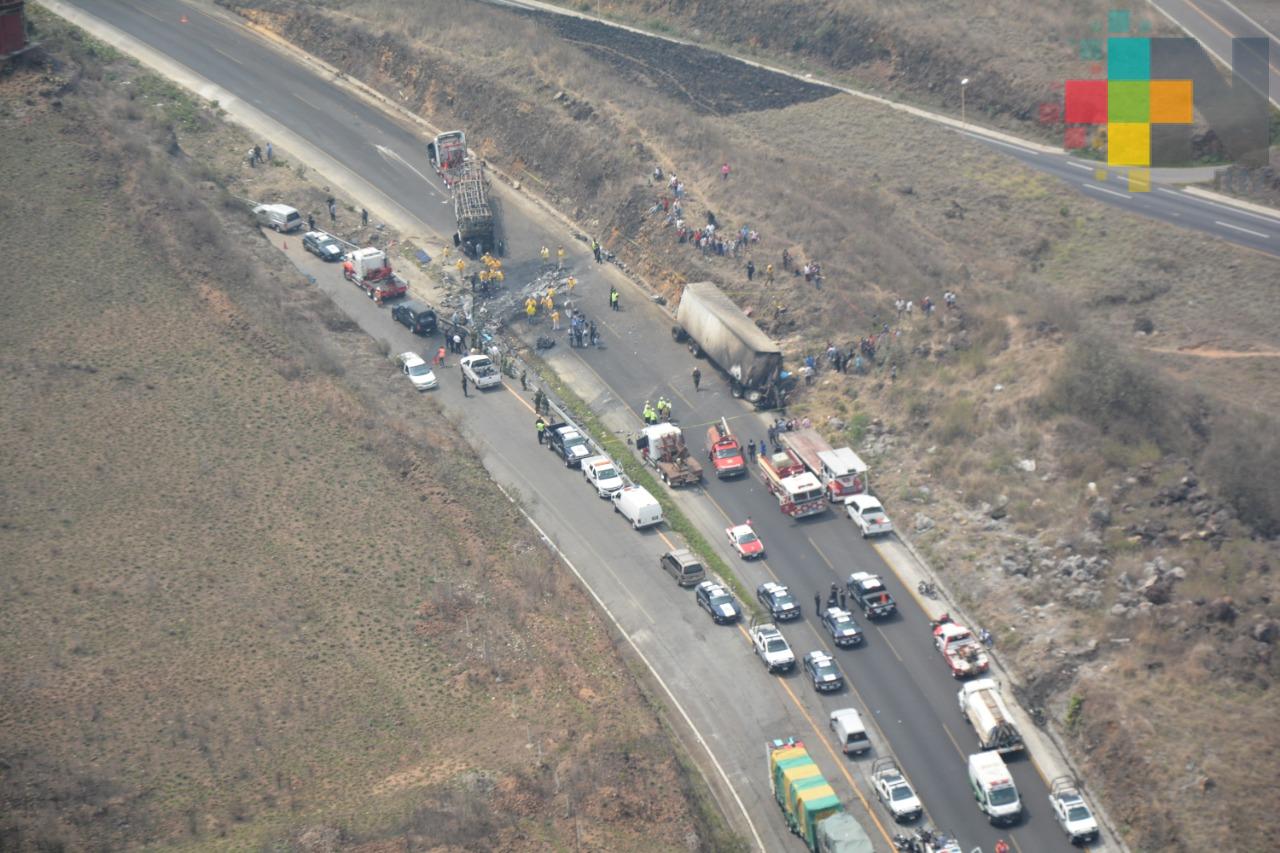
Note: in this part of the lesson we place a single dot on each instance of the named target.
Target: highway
(716, 688)
(1214, 23)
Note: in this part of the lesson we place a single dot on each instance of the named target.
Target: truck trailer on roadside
(984, 708)
(841, 471)
(474, 210)
(717, 328)
(809, 803)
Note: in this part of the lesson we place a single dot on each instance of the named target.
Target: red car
(745, 541)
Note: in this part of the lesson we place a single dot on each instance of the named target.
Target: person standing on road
(843, 600)
(724, 172)
(555, 321)
(751, 450)
(545, 254)
(1002, 846)
(540, 425)
(697, 379)
(311, 222)
(817, 604)
(364, 216)
(751, 270)
(613, 297)
(439, 359)
(524, 380)
(559, 257)
(464, 386)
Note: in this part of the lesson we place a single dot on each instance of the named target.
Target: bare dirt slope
(244, 604)
(1107, 506)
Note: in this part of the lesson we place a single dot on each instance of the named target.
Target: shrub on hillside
(1243, 458)
(1099, 383)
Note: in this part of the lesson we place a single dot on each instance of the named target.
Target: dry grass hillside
(244, 604)
(1016, 54)
(1084, 448)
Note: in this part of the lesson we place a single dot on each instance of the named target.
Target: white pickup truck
(1071, 811)
(772, 648)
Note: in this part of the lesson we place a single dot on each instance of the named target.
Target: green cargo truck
(809, 803)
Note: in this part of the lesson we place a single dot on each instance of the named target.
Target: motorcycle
(927, 589)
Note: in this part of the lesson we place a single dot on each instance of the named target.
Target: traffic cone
(284, 244)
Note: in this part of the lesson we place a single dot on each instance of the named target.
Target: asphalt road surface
(713, 680)
(1214, 23)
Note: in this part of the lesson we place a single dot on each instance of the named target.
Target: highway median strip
(641, 476)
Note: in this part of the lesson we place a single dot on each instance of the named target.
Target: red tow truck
(798, 491)
(963, 652)
(724, 451)
(370, 270)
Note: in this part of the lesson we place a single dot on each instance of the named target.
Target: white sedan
(481, 371)
(867, 513)
(600, 472)
(418, 371)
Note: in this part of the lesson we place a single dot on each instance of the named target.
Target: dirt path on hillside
(1207, 351)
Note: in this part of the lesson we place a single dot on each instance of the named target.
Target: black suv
(416, 317)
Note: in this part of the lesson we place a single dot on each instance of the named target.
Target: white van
(637, 506)
(850, 732)
(993, 788)
(281, 217)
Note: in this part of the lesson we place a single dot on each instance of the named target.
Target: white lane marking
(631, 642)
(1238, 228)
(1270, 220)
(1105, 190)
(1084, 166)
(392, 157)
(1233, 7)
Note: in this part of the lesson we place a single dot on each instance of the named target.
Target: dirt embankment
(245, 606)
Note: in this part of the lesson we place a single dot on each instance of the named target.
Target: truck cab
(724, 452)
(993, 788)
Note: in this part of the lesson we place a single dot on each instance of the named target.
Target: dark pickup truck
(569, 443)
(871, 595)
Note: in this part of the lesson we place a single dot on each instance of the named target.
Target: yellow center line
(839, 760)
(830, 565)
(664, 538)
(676, 391)
(954, 742)
(522, 400)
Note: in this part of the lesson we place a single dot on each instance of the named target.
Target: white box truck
(984, 708)
(993, 788)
